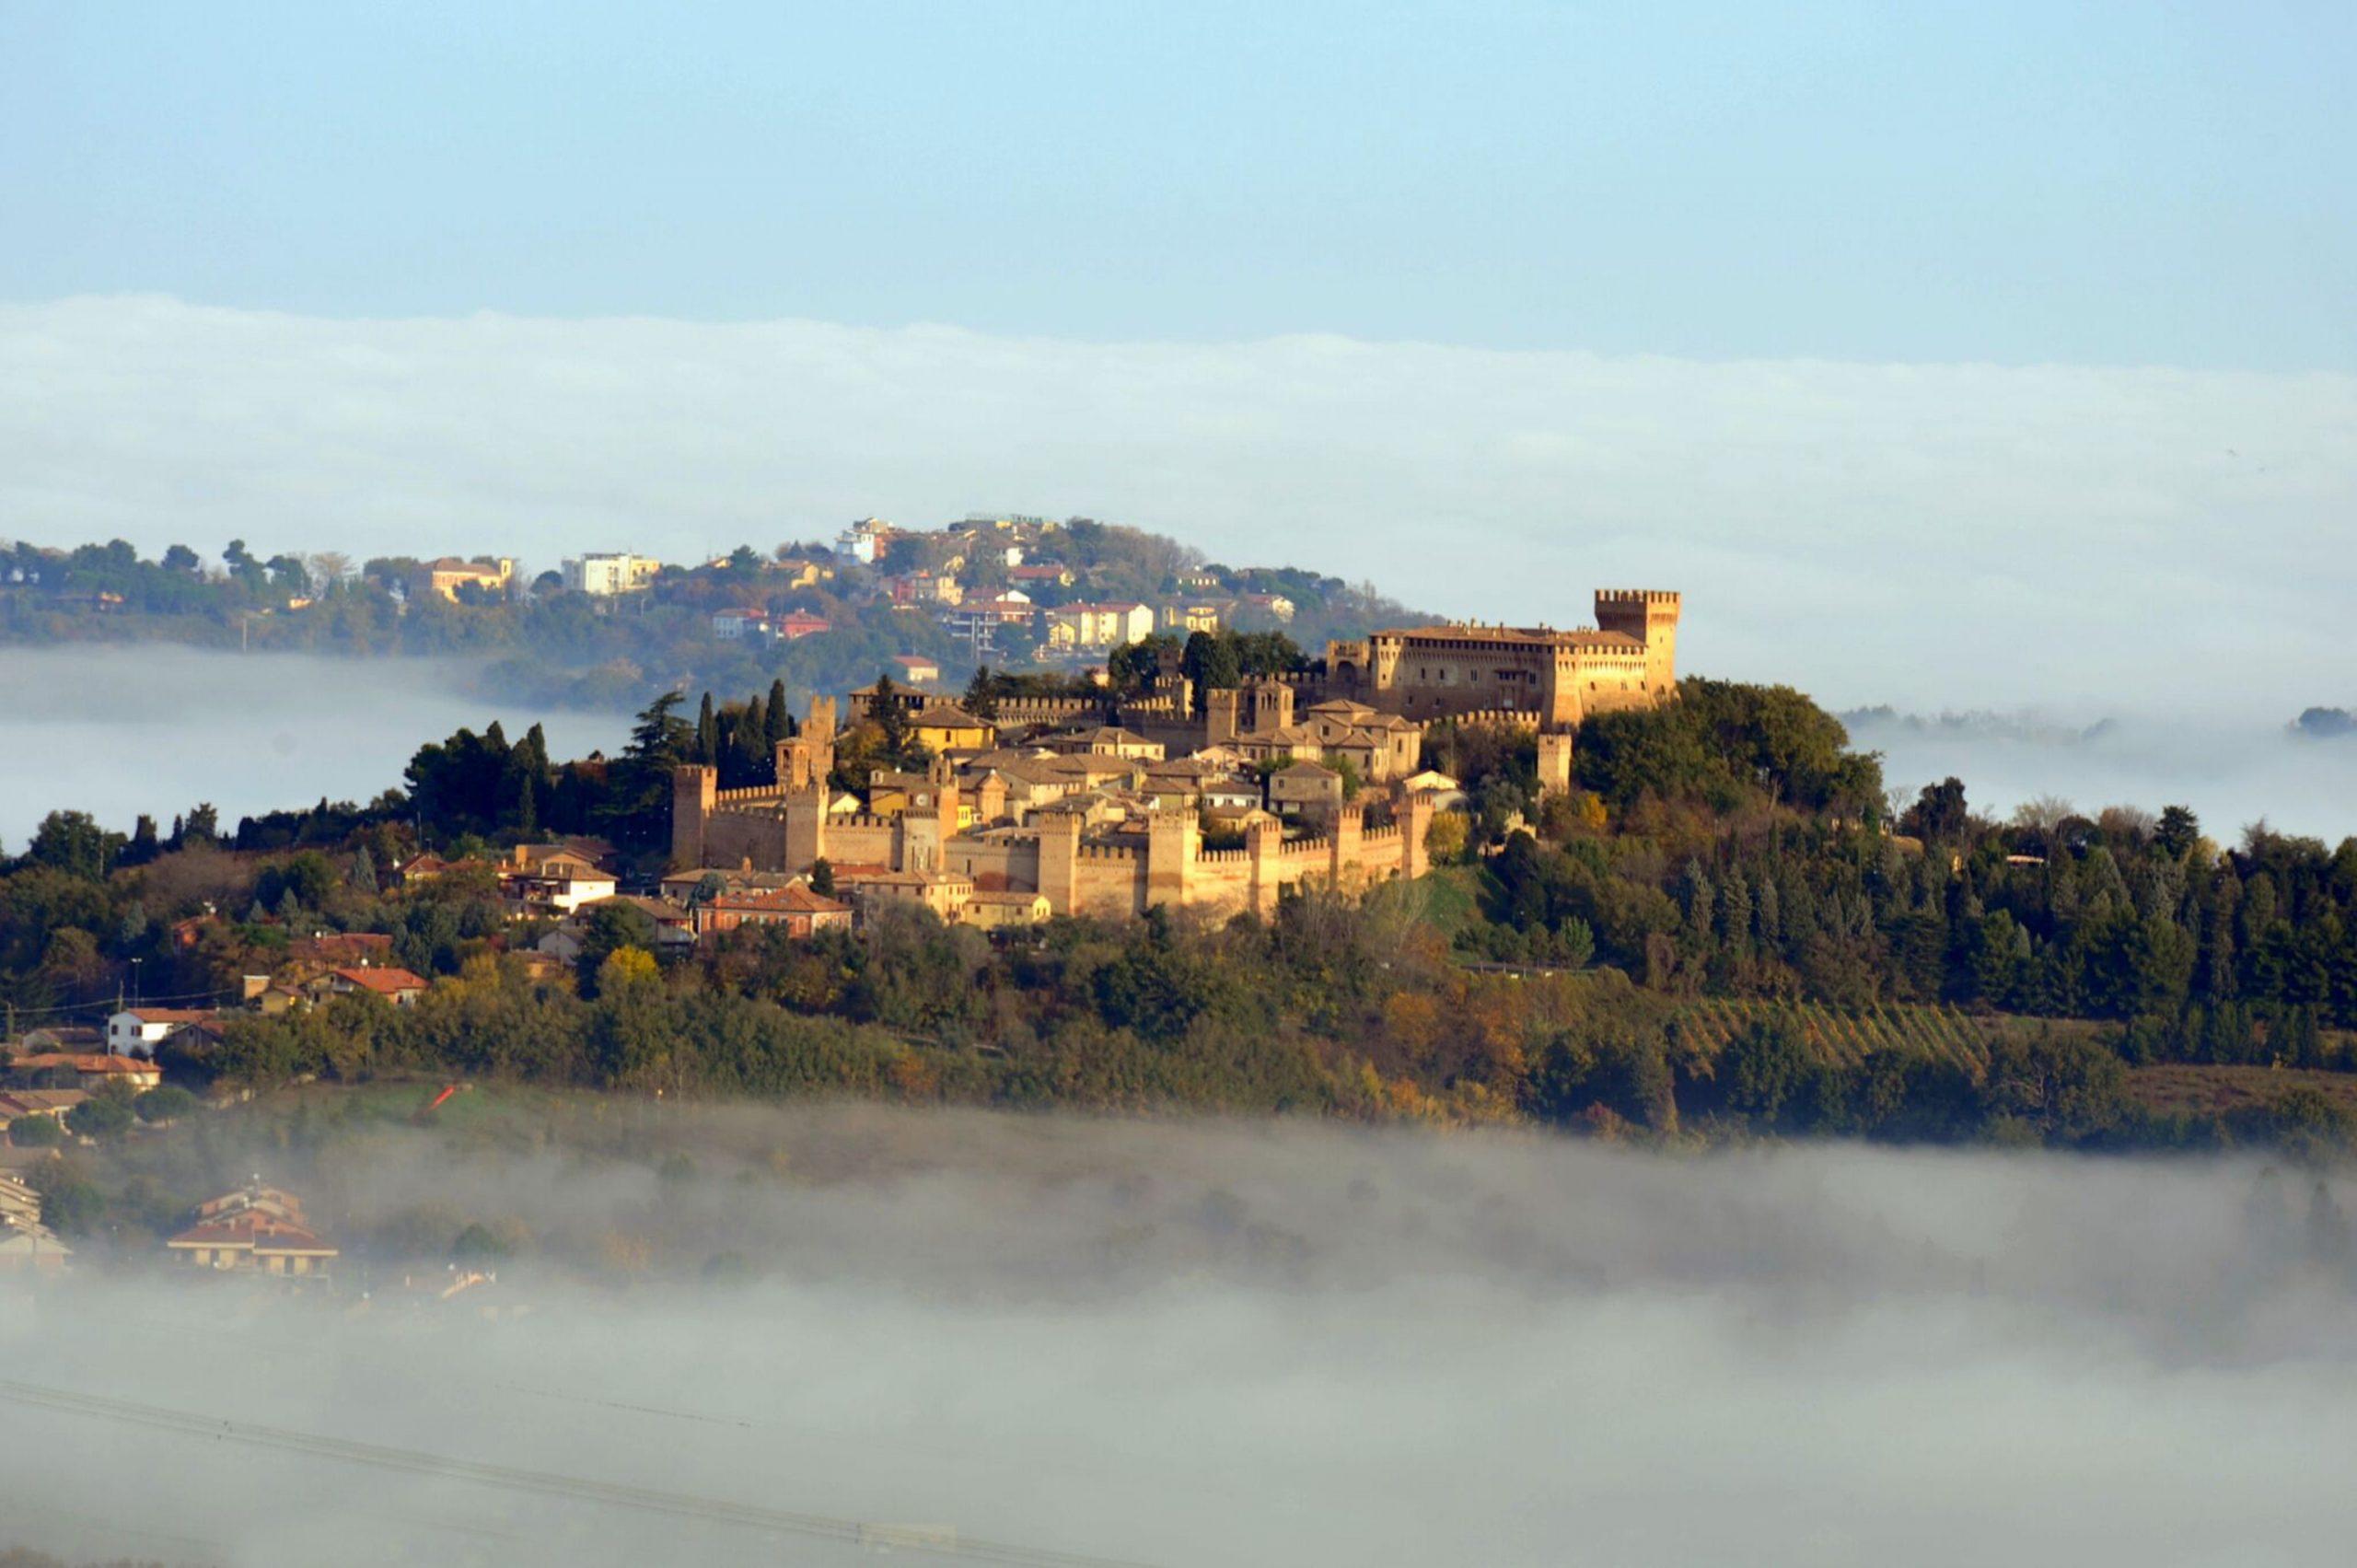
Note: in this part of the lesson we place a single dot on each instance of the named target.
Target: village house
(797, 625)
(1275, 606)
(912, 588)
(553, 883)
(1305, 789)
(865, 539)
(977, 616)
(137, 1031)
(55, 1104)
(448, 575)
(942, 892)
(744, 623)
(1070, 627)
(946, 727)
(991, 908)
(1191, 617)
(674, 930)
(92, 1072)
(794, 572)
(1041, 575)
(255, 1229)
(397, 986)
(795, 908)
(912, 669)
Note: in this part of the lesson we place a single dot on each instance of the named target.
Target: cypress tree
(777, 721)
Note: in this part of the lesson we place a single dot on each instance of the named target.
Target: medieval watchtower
(1650, 615)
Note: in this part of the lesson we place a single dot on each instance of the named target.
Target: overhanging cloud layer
(1928, 534)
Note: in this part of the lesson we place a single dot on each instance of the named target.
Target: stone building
(1083, 801)
(1627, 660)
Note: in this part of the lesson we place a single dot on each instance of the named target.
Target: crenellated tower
(1650, 615)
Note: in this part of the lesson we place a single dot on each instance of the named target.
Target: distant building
(1305, 789)
(1190, 616)
(1276, 606)
(397, 986)
(795, 909)
(555, 885)
(994, 909)
(137, 1031)
(448, 575)
(797, 624)
(18, 1104)
(1075, 626)
(946, 727)
(912, 669)
(865, 539)
(91, 1071)
(743, 623)
(611, 573)
(257, 1229)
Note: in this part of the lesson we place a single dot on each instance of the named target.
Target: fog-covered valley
(120, 730)
(1209, 1343)
(2233, 770)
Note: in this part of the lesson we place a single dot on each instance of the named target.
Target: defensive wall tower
(1650, 615)
(1060, 859)
(1257, 707)
(695, 790)
(1554, 763)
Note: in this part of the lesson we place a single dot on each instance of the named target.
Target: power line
(544, 1482)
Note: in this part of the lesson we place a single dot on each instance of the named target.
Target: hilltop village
(1219, 799)
(610, 629)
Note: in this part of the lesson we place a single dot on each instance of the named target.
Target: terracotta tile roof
(124, 1067)
(947, 715)
(171, 1015)
(384, 982)
(797, 898)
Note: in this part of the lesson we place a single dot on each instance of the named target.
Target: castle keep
(1628, 659)
(1076, 805)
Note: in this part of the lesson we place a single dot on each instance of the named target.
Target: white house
(137, 1031)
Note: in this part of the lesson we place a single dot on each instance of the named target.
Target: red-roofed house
(800, 623)
(795, 908)
(397, 986)
(260, 1228)
(93, 1072)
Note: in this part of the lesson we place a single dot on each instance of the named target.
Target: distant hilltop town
(1159, 793)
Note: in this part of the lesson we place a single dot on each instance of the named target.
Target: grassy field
(2184, 1088)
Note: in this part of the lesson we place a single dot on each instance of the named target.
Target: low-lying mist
(1221, 1344)
(2233, 771)
(116, 731)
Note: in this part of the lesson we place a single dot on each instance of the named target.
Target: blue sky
(2135, 184)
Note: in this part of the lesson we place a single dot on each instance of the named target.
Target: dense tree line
(1726, 849)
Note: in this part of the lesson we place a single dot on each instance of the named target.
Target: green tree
(164, 1104)
(35, 1133)
(1764, 1068)
(73, 842)
(102, 1116)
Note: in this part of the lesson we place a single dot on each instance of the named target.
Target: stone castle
(1077, 804)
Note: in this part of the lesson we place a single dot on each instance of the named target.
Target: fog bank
(117, 730)
(1250, 1345)
(2232, 771)
(1926, 535)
